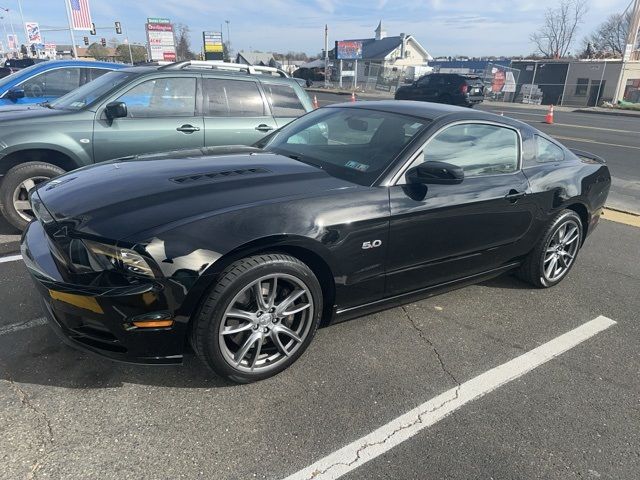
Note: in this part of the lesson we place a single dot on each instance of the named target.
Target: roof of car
(429, 111)
(142, 69)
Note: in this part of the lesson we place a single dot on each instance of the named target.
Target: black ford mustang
(242, 252)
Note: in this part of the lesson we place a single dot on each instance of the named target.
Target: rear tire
(248, 327)
(15, 188)
(555, 254)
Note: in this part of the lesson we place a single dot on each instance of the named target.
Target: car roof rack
(225, 66)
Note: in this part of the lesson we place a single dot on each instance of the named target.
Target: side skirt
(342, 315)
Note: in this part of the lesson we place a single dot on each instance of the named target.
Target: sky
(443, 27)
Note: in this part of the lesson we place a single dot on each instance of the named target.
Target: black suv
(450, 88)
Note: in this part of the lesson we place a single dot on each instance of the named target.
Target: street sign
(161, 39)
(213, 45)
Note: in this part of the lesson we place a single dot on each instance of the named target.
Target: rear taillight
(464, 88)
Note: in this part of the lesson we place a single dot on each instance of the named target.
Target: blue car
(47, 81)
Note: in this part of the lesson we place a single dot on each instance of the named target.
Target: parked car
(46, 81)
(449, 88)
(244, 252)
(12, 65)
(139, 110)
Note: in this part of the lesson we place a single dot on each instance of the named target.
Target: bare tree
(610, 37)
(183, 45)
(554, 38)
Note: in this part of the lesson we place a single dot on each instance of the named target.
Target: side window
(96, 73)
(284, 100)
(478, 148)
(162, 97)
(548, 152)
(232, 98)
(581, 87)
(54, 83)
(424, 81)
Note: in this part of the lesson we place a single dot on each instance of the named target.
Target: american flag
(80, 15)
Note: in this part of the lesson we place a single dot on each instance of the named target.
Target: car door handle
(188, 129)
(513, 196)
(264, 128)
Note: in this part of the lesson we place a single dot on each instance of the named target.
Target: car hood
(121, 198)
(24, 112)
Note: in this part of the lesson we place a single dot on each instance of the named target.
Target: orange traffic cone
(549, 117)
(315, 102)
(353, 96)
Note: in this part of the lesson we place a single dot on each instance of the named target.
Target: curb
(610, 113)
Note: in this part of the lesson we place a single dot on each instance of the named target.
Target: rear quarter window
(284, 100)
(547, 151)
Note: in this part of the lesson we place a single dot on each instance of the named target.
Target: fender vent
(199, 177)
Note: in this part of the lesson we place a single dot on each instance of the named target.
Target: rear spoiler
(588, 156)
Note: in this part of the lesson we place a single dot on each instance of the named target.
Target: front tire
(259, 318)
(554, 256)
(14, 191)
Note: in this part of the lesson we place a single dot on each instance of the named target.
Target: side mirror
(115, 110)
(434, 172)
(15, 93)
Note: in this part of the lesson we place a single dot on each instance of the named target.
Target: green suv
(140, 110)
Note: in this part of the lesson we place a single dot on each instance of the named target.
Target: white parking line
(16, 327)
(406, 426)
(10, 258)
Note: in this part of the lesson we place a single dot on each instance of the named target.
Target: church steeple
(380, 33)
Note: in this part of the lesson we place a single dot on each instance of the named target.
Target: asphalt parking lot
(64, 414)
(492, 381)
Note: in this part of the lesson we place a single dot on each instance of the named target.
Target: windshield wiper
(298, 158)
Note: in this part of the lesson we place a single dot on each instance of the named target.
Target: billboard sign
(349, 50)
(213, 46)
(33, 32)
(162, 45)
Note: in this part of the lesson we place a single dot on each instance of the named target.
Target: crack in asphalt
(430, 343)
(419, 417)
(47, 442)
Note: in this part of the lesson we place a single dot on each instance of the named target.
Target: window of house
(582, 86)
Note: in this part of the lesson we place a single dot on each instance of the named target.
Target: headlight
(39, 210)
(106, 257)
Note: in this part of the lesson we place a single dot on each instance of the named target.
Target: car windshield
(355, 144)
(92, 91)
(25, 72)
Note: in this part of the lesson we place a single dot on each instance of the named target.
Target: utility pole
(228, 40)
(326, 55)
(630, 47)
(73, 38)
(24, 24)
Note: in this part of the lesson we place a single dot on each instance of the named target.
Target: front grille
(198, 177)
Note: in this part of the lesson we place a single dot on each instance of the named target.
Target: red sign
(169, 56)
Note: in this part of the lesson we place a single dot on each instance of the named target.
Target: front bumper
(98, 318)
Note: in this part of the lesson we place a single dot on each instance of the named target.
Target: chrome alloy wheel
(561, 250)
(266, 322)
(21, 197)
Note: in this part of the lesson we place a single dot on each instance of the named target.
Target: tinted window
(54, 83)
(232, 98)
(284, 100)
(479, 149)
(353, 144)
(424, 81)
(548, 152)
(171, 97)
(95, 73)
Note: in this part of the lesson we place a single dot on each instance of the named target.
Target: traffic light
(103, 42)
(86, 41)
(93, 29)
(118, 28)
